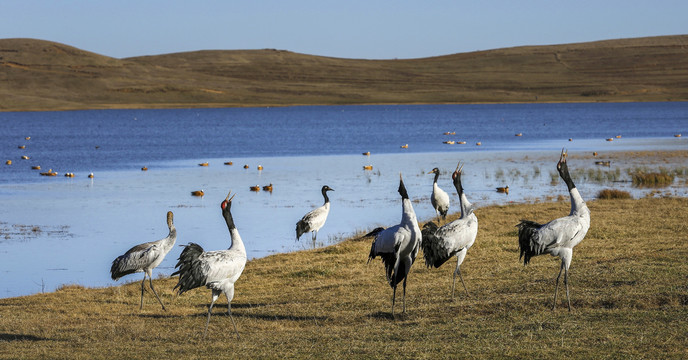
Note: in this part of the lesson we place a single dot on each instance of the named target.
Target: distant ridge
(43, 75)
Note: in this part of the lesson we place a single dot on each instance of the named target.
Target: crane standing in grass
(216, 270)
(144, 258)
(314, 219)
(455, 238)
(439, 198)
(559, 236)
(398, 245)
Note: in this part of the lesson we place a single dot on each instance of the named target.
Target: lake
(61, 230)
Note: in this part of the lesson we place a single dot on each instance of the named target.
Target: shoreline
(364, 201)
(182, 106)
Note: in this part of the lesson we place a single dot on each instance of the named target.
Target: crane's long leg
(229, 311)
(566, 282)
(229, 293)
(404, 298)
(314, 237)
(156, 294)
(143, 282)
(216, 294)
(453, 283)
(556, 286)
(394, 296)
(458, 269)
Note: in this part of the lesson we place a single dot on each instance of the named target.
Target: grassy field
(42, 75)
(629, 290)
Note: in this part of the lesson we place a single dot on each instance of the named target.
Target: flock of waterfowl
(479, 143)
(50, 172)
(254, 188)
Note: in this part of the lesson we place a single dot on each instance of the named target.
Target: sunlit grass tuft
(607, 194)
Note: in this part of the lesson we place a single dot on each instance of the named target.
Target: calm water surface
(63, 231)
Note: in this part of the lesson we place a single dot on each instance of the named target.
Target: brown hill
(42, 75)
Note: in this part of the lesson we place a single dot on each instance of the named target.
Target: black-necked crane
(217, 270)
(559, 236)
(144, 258)
(439, 198)
(398, 245)
(314, 219)
(455, 238)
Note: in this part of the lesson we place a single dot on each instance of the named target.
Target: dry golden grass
(628, 289)
(607, 194)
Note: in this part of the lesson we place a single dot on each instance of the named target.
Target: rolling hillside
(42, 75)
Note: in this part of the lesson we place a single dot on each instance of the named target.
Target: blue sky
(369, 29)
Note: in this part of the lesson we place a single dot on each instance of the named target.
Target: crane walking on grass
(439, 198)
(455, 238)
(559, 236)
(398, 245)
(144, 258)
(216, 270)
(314, 219)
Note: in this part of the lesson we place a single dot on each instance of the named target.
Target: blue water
(88, 141)
(85, 223)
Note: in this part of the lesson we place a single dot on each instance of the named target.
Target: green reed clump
(652, 179)
(608, 194)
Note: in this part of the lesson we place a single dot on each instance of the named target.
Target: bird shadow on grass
(20, 337)
(280, 317)
(273, 317)
(382, 315)
(156, 316)
(237, 305)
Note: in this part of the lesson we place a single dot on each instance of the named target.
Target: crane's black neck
(227, 214)
(402, 190)
(324, 194)
(564, 173)
(437, 175)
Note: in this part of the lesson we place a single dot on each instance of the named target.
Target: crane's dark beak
(562, 157)
(227, 201)
(457, 172)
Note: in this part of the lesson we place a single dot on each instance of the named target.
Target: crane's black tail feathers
(119, 268)
(375, 231)
(190, 272)
(527, 240)
(389, 259)
(301, 228)
(374, 234)
(432, 252)
(443, 214)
